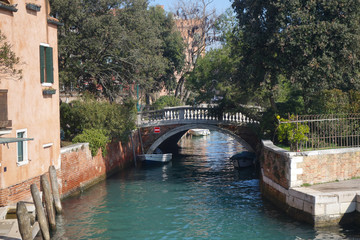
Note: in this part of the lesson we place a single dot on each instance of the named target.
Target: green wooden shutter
(20, 147)
(49, 65)
(42, 64)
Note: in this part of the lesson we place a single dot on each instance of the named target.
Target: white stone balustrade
(188, 115)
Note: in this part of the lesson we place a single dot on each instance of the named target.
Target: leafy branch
(8, 59)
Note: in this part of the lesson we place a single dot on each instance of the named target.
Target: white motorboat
(164, 158)
(199, 132)
(243, 159)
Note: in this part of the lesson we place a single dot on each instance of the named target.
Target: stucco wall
(28, 108)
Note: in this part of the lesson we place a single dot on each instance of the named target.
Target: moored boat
(199, 132)
(164, 158)
(243, 159)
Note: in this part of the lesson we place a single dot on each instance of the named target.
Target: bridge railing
(191, 115)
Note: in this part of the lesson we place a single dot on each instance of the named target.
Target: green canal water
(199, 195)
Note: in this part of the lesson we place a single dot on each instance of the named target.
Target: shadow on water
(199, 195)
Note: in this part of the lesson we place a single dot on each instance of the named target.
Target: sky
(220, 5)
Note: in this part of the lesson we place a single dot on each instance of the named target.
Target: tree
(153, 43)
(315, 44)
(111, 44)
(212, 80)
(195, 22)
(88, 45)
(8, 60)
(173, 45)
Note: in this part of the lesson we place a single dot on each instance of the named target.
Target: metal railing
(329, 131)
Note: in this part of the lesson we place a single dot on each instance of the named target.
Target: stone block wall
(285, 173)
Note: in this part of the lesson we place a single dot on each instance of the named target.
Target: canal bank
(77, 171)
(80, 170)
(199, 195)
(318, 187)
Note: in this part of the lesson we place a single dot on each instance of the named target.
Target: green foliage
(336, 101)
(167, 101)
(8, 59)
(331, 101)
(116, 43)
(97, 138)
(354, 101)
(292, 132)
(115, 120)
(213, 76)
(314, 44)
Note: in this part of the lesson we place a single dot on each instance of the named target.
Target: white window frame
(25, 149)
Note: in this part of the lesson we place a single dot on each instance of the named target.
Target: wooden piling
(55, 189)
(133, 148)
(23, 221)
(141, 142)
(40, 213)
(49, 202)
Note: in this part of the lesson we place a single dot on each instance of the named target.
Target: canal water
(199, 195)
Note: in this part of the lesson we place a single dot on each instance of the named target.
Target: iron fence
(328, 131)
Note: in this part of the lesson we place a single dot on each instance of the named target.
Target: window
(46, 65)
(22, 157)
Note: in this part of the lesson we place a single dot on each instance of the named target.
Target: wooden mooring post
(40, 213)
(27, 226)
(55, 189)
(23, 221)
(49, 201)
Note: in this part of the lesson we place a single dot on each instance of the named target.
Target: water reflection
(197, 196)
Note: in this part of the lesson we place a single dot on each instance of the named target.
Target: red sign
(156, 129)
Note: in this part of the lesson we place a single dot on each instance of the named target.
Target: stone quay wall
(293, 169)
(80, 170)
(284, 175)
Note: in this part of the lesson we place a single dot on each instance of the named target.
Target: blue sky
(220, 5)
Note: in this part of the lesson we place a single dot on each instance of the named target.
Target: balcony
(4, 121)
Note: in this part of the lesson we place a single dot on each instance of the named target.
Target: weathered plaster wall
(28, 108)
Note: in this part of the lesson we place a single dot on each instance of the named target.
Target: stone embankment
(319, 187)
(77, 170)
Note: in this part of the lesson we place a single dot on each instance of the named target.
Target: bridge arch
(184, 128)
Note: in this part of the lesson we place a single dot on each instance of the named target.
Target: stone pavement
(346, 185)
(9, 229)
(327, 202)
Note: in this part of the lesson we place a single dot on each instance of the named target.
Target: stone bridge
(164, 128)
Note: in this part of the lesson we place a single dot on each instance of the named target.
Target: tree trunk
(272, 103)
(179, 87)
